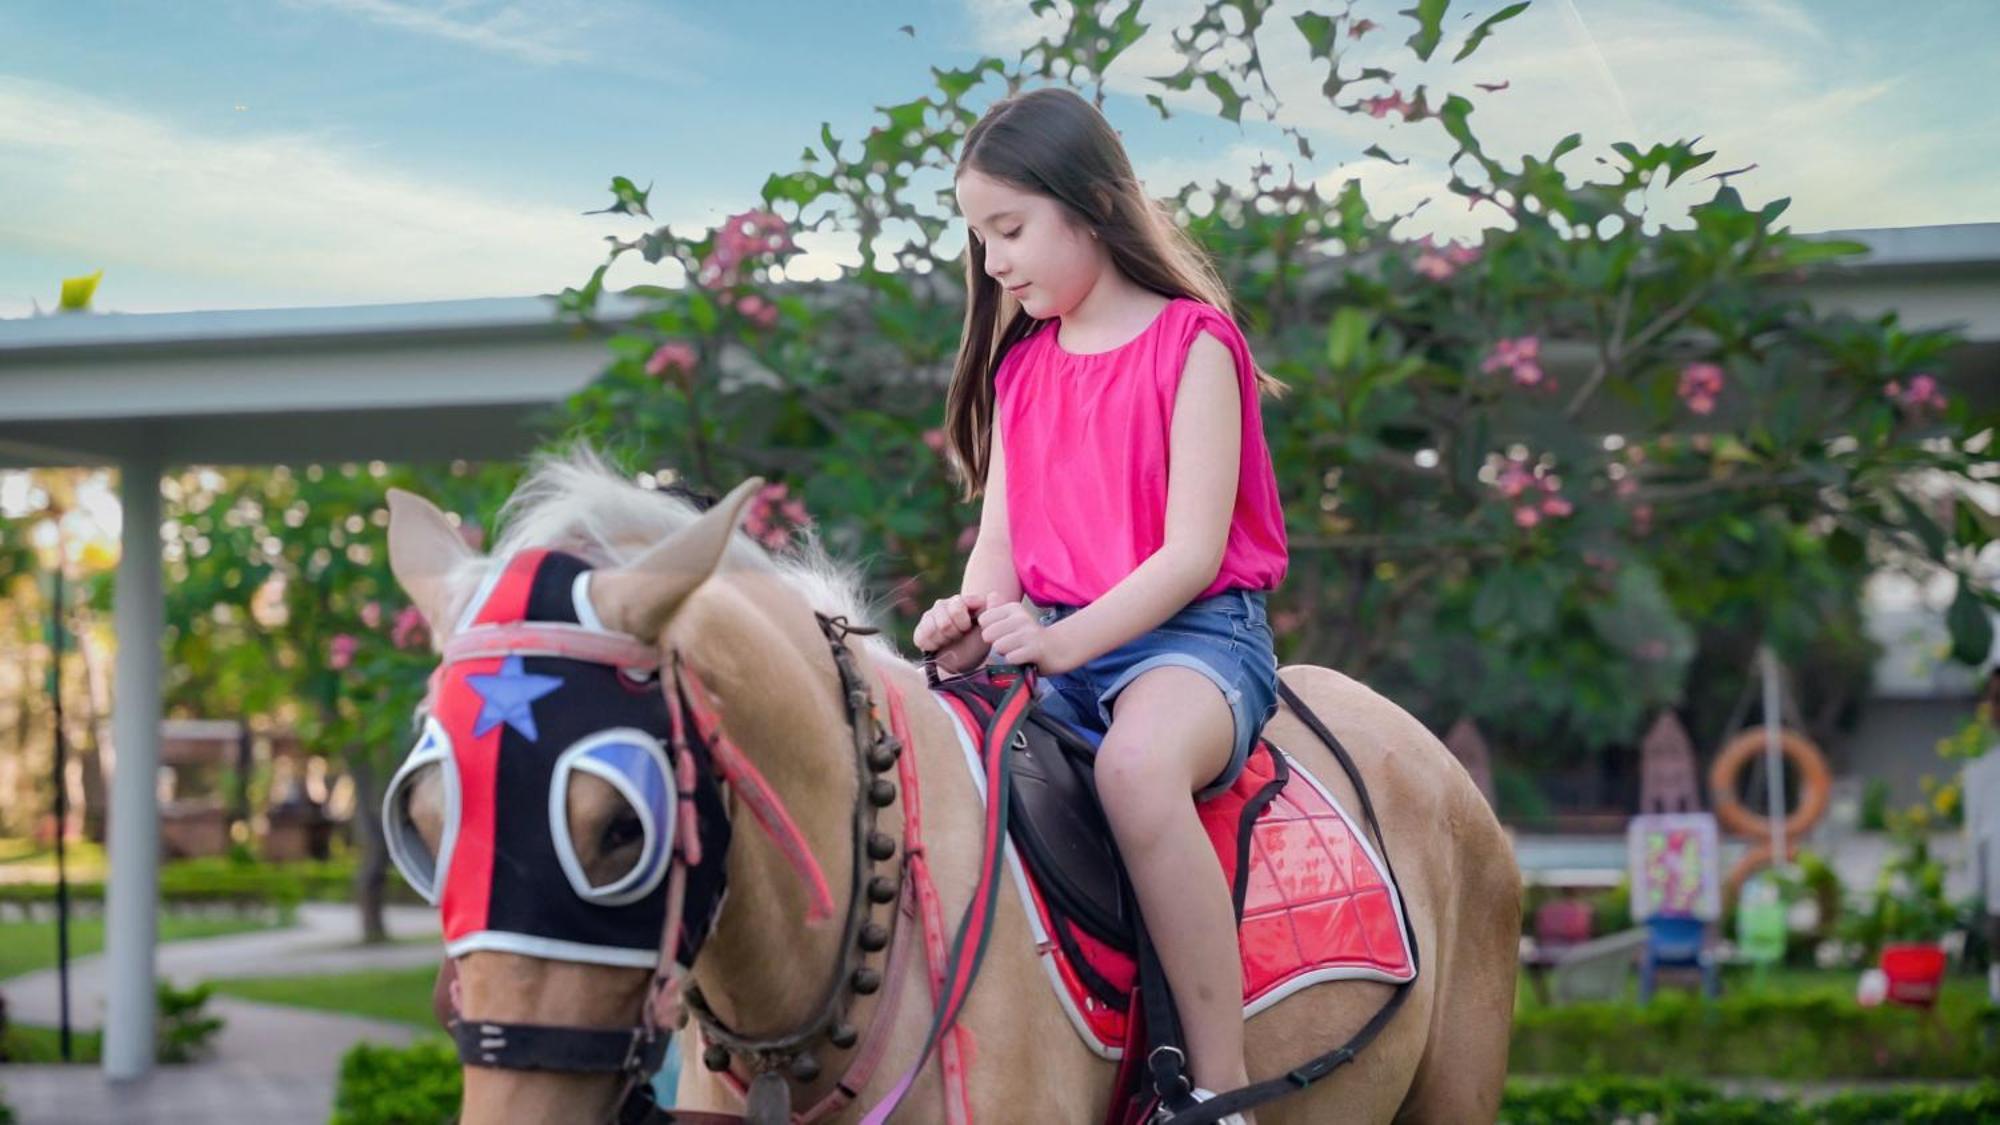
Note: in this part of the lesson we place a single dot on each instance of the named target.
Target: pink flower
(1922, 394)
(673, 356)
(340, 652)
(1642, 519)
(968, 537)
(935, 439)
(1439, 262)
(1557, 507)
(371, 615)
(1701, 383)
(1515, 479)
(1521, 356)
(1387, 104)
(750, 234)
(409, 631)
(1526, 516)
(1287, 621)
(758, 311)
(773, 516)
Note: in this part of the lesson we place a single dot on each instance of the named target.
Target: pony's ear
(423, 550)
(640, 597)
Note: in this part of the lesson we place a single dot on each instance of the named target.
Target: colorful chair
(1675, 942)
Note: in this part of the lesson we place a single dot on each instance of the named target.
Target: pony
(649, 741)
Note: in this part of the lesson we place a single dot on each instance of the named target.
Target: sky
(261, 153)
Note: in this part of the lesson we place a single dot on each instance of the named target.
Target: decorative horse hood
(533, 694)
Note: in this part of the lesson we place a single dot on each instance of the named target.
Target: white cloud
(542, 32)
(1761, 82)
(282, 218)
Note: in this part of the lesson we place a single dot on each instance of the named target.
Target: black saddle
(1055, 820)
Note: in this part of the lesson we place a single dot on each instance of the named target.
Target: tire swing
(1815, 789)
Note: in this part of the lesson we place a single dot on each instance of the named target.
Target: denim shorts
(1226, 638)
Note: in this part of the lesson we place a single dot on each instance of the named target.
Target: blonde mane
(575, 501)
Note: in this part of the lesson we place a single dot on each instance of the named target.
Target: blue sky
(251, 153)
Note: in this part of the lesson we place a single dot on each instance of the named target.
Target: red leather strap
(957, 1043)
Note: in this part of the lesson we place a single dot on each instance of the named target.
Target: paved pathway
(269, 1063)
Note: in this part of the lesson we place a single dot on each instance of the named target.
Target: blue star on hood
(507, 696)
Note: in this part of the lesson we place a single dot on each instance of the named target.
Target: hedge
(1590, 1101)
(414, 1085)
(419, 1085)
(220, 881)
(1799, 1037)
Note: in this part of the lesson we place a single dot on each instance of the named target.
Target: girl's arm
(990, 567)
(1204, 457)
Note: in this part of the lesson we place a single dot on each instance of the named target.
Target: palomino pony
(639, 710)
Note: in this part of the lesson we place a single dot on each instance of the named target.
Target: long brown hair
(1054, 143)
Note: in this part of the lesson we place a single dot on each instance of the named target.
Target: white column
(132, 894)
(1774, 755)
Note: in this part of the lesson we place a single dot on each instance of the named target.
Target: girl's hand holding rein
(949, 634)
(1018, 638)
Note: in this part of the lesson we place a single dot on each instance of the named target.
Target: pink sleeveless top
(1087, 439)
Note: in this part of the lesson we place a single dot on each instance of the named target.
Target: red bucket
(1915, 972)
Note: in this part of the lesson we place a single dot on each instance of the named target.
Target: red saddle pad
(1318, 905)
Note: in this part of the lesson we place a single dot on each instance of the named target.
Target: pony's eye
(623, 831)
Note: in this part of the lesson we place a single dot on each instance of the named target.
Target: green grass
(23, 1044)
(397, 995)
(28, 946)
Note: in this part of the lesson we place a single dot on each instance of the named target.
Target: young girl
(1107, 407)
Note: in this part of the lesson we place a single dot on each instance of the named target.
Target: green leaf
(1347, 337)
(1846, 548)
(1920, 522)
(1319, 31)
(1455, 116)
(702, 311)
(627, 198)
(1972, 525)
(1971, 627)
(77, 292)
(1429, 15)
(1232, 102)
(1485, 28)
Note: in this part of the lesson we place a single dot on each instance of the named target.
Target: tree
(281, 604)
(1529, 479)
